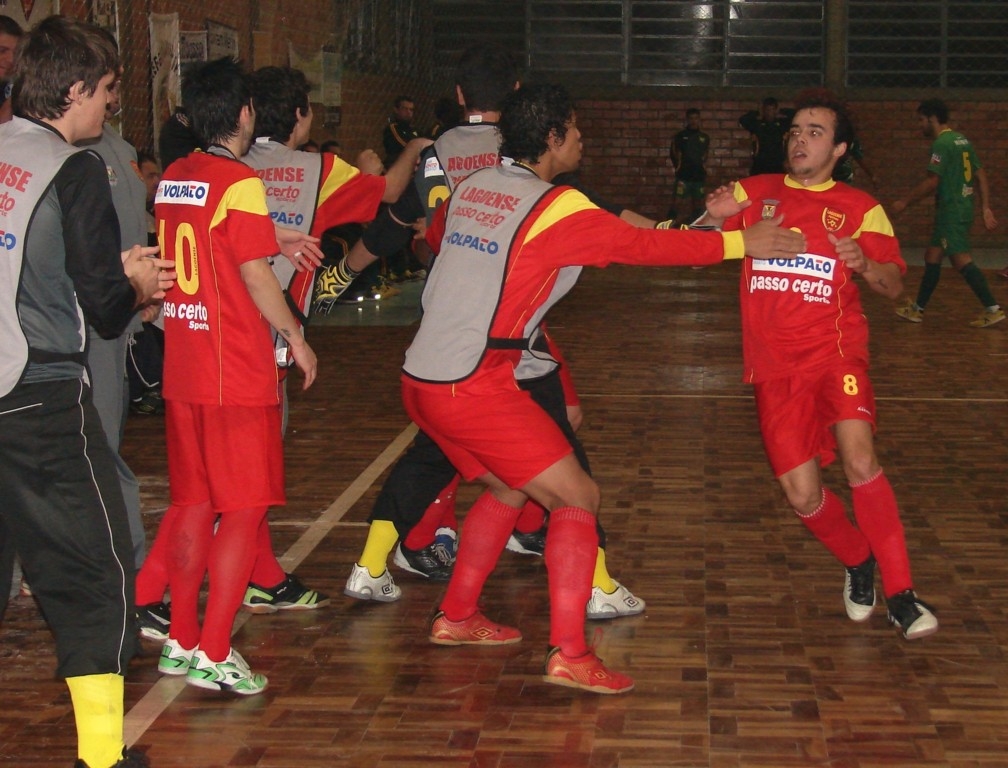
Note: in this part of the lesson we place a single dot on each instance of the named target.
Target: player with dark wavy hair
(527, 124)
(417, 501)
(532, 239)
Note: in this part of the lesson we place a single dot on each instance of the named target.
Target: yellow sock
(382, 536)
(602, 579)
(98, 711)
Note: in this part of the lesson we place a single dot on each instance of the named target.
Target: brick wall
(367, 98)
(626, 152)
(626, 138)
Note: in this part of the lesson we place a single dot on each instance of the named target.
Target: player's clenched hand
(369, 162)
(881, 278)
(304, 358)
(769, 240)
(849, 252)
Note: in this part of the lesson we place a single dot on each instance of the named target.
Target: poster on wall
(324, 70)
(192, 47)
(312, 68)
(222, 40)
(332, 77)
(28, 13)
(164, 47)
(105, 14)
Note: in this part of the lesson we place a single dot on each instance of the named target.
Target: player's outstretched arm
(369, 162)
(769, 240)
(401, 172)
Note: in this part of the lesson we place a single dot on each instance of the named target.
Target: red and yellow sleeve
(346, 195)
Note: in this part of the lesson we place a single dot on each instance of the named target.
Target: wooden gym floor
(744, 657)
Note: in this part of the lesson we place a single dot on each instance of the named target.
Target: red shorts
(231, 455)
(797, 413)
(505, 434)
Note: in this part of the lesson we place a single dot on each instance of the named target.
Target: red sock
(448, 518)
(232, 555)
(571, 547)
(487, 527)
(422, 534)
(829, 523)
(188, 546)
(877, 514)
(152, 579)
(267, 571)
(532, 517)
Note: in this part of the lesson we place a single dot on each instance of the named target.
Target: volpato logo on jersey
(481, 244)
(182, 193)
(287, 219)
(833, 219)
(810, 264)
(807, 273)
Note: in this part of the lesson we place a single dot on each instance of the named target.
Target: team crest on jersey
(770, 208)
(833, 219)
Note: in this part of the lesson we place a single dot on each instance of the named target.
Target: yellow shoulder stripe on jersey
(876, 221)
(247, 195)
(340, 173)
(566, 203)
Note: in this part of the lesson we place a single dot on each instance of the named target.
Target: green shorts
(953, 237)
(689, 189)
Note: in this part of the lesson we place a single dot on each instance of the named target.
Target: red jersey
(311, 192)
(211, 218)
(800, 313)
(509, 247)
(345, 195)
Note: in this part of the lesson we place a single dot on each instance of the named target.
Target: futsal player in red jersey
(805, 348)
(221, 384)
(510, 245)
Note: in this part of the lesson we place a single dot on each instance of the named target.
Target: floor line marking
(160, 696)
(703, 396)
